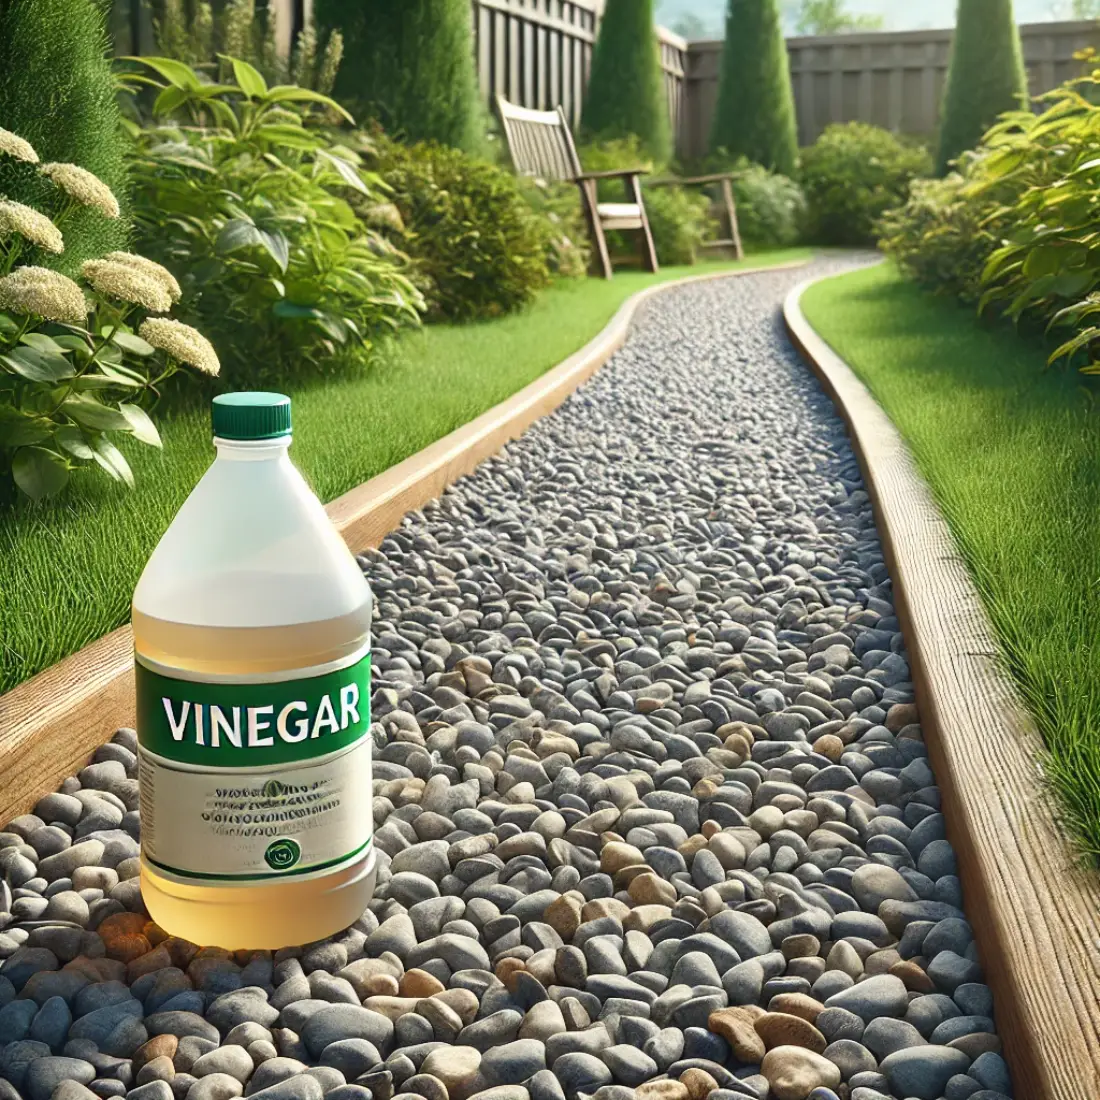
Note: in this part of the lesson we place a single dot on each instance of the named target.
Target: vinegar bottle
(252, 659)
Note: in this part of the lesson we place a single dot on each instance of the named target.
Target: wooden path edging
(1034, 909)
(51, 724)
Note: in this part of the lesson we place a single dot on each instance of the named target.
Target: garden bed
(952, 388)
(68, 569)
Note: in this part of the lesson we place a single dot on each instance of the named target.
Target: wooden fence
(889, 79)
(538, 53)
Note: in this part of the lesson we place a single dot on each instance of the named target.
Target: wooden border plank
(50, 725)
(1034, 909)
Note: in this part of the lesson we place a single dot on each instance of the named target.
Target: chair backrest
(540, 142)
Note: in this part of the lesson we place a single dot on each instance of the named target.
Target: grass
(68, 568)
(1011, 451)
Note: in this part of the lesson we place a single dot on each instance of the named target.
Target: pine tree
(985, 76)
(410, 66)
(755, 114)
(57, 92)
(626, 89)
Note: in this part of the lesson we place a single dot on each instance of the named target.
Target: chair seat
(620, 215)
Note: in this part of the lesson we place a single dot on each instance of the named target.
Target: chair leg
(649, 249)
(731, 213)
(601, 258)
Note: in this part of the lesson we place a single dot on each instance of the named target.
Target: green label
(252, 725)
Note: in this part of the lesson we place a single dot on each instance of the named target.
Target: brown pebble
(419, 983)
(800, 946)
(913, 976)
(797, 1004)
(157, 959)
(661, 1090)
(698, 1082)
(381, 985)
(736, 1027)
(779, 1029)
(830, 747)
(160, 1046)
(506, 970)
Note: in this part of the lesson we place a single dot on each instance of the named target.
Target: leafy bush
(626, 89)
(943, 236)
(755, 115)
(253, 207)
(57, 91)
(771, 208)
(985, 76)
(479, 246)
(568, 252)
(205, 40)
(414, 67)
(74, 363)
(852, 175)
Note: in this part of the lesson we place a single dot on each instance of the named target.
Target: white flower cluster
(81, 185)
(182, 343)
(30, 224)
(148, 267)
(43, 293)
(126, 283)
(15, 146)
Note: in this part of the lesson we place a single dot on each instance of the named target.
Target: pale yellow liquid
(266, 915)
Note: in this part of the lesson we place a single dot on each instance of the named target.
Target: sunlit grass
(68, 569)
(1012, 452)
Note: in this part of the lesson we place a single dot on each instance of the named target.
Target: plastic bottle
(252, 653)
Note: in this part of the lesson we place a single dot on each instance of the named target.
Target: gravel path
(658, 818)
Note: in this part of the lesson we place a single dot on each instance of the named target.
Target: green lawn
(1012, 452)
(68, 568)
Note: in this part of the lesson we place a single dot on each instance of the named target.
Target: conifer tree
(985, 76)
(755, 113)
(57, 91)
(410, 66)
(626, 88)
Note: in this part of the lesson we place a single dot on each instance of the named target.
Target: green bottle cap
(251, 415)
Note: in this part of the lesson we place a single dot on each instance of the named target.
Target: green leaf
(287, 136)
(38, 366)
(135, 345)
(252, 84)
(237, 233)
(170, 99)
(110, 458)
(175, 72)
(348, 172)
(19, 429)
(41, 342)
(291, 93)
(72, 439)
(278, 247)
(293, 311)
(38, 472)
(140, 424)
(89, 412)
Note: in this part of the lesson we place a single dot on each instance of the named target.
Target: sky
(898, 15)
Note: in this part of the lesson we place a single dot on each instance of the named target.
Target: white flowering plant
(245, 190)
(80, 361)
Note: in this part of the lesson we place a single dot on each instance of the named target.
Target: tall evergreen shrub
(755, 115)
(410, 66)
(985, 76)
(57, 91)
(626, 89)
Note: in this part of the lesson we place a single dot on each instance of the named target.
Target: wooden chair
(542, 146)
(728, 205)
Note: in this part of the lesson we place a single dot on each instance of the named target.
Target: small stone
(923, 1072)
(736, 1027)
(779, 1029)
(793, 1072)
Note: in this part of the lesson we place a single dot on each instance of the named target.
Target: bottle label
(251, 781)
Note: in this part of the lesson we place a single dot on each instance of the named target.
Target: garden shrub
(474, 239)
(679, 219)
(626, 89)
(568, 251)
(852, 175)
(755, 115)
(413, 67)
(252, 207)
(771, 208)
(1015, 228)
(57, 91)
(943, 236)
(79, 361)
(985, 76)
(203, 39)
